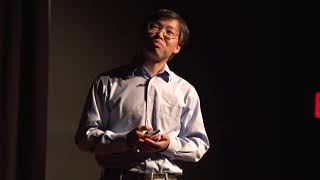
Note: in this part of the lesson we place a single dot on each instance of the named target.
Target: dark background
(257, 101)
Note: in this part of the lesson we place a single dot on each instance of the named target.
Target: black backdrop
(257, 100)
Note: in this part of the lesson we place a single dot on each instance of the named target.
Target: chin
(154, 56)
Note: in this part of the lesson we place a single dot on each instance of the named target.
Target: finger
(147, 136)
(144, 128)
(157, 145)
(164, 136)
(140, 134)
(151, 143)
(141, 141)
(155, 137)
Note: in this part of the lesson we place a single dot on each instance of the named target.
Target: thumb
(142, 128)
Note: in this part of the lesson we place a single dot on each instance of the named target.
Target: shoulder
(102, 80)
(120, 72)
(184, 85)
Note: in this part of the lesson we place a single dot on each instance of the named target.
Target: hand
(150, 145)
(136, 135)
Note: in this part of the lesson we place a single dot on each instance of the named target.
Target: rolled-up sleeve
(192, 142)
(90, 128)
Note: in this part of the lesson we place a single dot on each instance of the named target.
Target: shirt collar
(165, 73)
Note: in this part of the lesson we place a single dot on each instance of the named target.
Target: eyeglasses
(168, 33)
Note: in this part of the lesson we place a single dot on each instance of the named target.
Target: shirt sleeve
(94, 118)
(192, 142)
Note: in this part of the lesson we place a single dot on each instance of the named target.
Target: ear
(176, 49)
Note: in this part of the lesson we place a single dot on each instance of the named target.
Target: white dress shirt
(128, 97)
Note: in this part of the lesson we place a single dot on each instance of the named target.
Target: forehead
(172, 23)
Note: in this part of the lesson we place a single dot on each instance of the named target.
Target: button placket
(149, 102)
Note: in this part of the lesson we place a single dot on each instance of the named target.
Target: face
(161, 40)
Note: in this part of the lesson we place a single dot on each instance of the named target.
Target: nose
(161, 32)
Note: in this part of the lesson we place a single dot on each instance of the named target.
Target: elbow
(193, 156)
(197, 157)
(199, 154)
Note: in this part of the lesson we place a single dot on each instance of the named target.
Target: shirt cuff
(93, 134)
(110, 136)
(171, 150)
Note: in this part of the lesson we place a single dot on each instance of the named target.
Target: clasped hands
(137, 139)
(145, 143)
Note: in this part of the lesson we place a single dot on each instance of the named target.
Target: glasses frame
(159, 29)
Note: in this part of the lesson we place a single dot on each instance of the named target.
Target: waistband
(115, 173)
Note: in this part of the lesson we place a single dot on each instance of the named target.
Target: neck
(154, 67)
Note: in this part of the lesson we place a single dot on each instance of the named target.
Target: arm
(129, 140)
(104, 152)
(91, 133)
(192, 142)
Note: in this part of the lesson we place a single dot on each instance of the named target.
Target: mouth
(157, 43)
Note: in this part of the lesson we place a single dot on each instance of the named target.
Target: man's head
(165, 32)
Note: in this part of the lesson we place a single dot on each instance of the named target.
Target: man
(140, 119)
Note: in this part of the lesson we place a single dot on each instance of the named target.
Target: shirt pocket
(169, 116)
